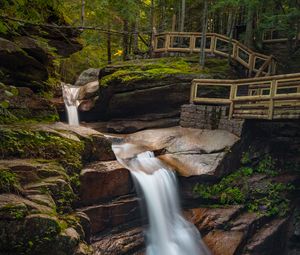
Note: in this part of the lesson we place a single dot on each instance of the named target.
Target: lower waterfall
(168, 232)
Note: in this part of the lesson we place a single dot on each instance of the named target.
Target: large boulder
(19, 68)
(144, 87)
(192, 152)
(87, 76)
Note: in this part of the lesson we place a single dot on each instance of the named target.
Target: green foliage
(271, 200)
(227, 191)
(267, 198)
(245, 158)
(14, 211)
(267, 166)
(8, 181)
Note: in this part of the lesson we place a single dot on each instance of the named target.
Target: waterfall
(168, 232)
(70, 95)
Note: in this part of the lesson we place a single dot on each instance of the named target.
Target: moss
(8, 181)
(154, 69)
(23, 142)
(13, 211)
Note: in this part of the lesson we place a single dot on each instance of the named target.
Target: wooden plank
(290, 116)
(286, 103)
(211, 100)
(250, 116)
(253, 111)
(284, 112)
(251, 106)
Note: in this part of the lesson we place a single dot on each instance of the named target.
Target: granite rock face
(191, 152)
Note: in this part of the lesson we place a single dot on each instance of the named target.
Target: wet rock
(206, 219)
(131, 126)
(223, 242)
(190, 151)
(103, 181)
(122, 243)
(269, 240)
(85, 223)
(109, 215)
(88, 76)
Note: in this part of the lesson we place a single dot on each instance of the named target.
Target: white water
(168, 232)
(70, 95)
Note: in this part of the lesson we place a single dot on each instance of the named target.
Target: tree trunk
(203, 36)
(82, 17)
(108, 44)
(174, 23)
(151, 39)
(249, 27)
(136, 36)
(182, 16)
(125, 41)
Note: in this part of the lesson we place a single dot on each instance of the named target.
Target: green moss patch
(8, 181)
(153, 69)
(26, 143)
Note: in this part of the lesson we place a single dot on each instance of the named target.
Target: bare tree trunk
(203, 36)
(174, 22)
(125, 41)
(182, 16)
(249, 27)
(136, 36)
(108, 44)
(82, 17)
(151, 39)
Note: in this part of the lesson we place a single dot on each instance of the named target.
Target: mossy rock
(155, 69)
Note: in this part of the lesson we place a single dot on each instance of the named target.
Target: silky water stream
(168, 232)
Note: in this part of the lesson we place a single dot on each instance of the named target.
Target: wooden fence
(276, 36)
(274, 97)
(186, 42)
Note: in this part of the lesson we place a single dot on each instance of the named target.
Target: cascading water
(169, 233)
(70, 95)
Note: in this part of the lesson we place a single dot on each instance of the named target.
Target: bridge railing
(187, 42)
(276, 36)
(274, 97)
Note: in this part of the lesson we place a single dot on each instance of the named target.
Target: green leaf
(14, 90)
(8, 93)
(4, 104)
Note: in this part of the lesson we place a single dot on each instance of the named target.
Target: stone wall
(209, 117)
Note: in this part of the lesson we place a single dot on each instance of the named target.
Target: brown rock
(104, 180)
(106, 216)
(269, 240)
(121, 243)
(206, 219)
(223, 242)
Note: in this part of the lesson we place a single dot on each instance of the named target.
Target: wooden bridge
(256, 63)
(263, 97)
(273, 97)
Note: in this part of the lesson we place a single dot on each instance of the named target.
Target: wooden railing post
(232, 97)
(193, 92)
(272, 94)
(167, 42)
(251, 63)
(192, 43)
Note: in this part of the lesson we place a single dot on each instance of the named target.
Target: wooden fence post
(272, 94)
